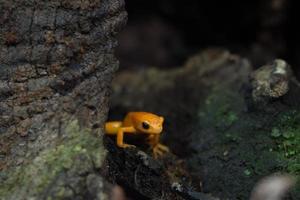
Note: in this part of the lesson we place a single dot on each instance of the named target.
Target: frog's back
(135, 117)
(132, 117)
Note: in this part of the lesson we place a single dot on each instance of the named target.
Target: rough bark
(56, 65)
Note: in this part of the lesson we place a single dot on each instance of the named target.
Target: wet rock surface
(228, 142)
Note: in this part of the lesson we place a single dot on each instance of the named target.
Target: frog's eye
(145, 125)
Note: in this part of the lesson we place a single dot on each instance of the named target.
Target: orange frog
(139, 123)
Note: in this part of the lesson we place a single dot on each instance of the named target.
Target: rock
(208, 123)
(272, 188)
(271, 81)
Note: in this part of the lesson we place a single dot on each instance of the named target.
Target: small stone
(271, 80)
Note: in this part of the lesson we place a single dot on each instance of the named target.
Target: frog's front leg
(120, 136)
(157, 148)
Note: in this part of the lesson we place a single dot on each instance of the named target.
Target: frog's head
(149, 123)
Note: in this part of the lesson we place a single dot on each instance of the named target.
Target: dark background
(164, 33)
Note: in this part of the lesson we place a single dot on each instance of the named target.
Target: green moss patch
(286, 133)
(80, 145)
(246, 146)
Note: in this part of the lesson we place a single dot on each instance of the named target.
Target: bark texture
(56, 66)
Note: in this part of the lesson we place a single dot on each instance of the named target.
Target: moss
(247, 172)
(255, 145)
(232, 137)
(219, 109)
(286, 134)
(79, 144)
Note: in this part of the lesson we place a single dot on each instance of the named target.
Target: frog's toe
(163, 148)
(158, 151)
(128, 146)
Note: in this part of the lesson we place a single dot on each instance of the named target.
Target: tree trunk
(56, 66)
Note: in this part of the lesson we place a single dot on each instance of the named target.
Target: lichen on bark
(56, 66)
(79, 153)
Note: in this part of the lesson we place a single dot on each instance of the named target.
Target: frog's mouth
(157, 130)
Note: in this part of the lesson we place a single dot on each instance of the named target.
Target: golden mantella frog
(139, 123)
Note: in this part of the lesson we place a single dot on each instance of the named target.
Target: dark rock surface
(211, 122)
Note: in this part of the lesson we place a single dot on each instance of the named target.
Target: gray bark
(56, 66)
